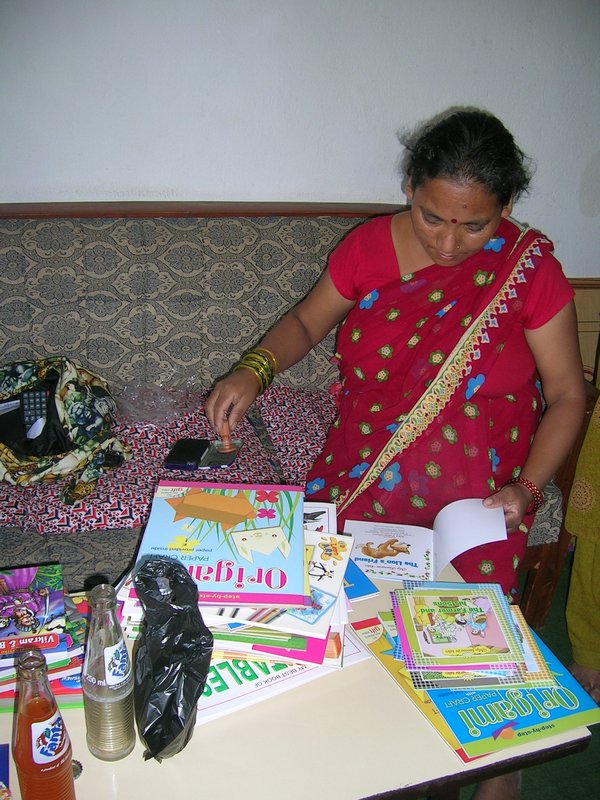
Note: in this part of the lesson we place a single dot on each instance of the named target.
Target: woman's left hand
(515, 499)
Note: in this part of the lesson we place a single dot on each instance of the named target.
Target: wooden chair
(543, 563)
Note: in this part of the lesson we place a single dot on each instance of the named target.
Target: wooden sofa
(160, 301)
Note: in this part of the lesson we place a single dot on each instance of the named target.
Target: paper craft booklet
(475, 722)
(468, 626)
(326, 558)
(395, 552)
(32, 612)
(243, 544)
(485, 721)
(233, 683)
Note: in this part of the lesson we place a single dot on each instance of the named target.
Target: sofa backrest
(172, 300)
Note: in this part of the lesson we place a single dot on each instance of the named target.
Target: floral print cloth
(76, 440)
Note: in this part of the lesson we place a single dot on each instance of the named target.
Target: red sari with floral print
(438, 397)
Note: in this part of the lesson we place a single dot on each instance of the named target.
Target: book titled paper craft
(242, 544)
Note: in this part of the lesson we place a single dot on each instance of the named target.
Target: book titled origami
(242, 544)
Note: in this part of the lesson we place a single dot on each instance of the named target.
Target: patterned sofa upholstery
(159, 300)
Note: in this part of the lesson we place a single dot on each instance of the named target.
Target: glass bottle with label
(107, 680)
(41, 745)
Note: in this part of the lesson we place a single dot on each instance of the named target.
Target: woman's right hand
(231, 398)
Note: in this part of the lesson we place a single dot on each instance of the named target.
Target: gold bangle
(261, 366)
(259, 359)
(261, 384)
(270, 355)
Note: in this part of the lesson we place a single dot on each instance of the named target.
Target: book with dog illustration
(395, 551)
(242, 544)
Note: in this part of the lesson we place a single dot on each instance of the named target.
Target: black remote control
(33, 406)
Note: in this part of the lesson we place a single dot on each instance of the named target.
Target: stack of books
(473, 667)
(271, 576)
(35, 612)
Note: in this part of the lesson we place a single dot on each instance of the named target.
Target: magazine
(394, 551)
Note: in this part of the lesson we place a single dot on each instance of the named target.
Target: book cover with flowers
(243, 544)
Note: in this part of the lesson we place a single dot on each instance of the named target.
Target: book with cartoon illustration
(456, 626)
(448, 623)
(395, 551)
(242, 544)
(32, 613)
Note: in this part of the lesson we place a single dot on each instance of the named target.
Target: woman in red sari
(453, 319)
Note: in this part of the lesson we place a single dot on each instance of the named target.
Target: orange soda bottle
(41, 745)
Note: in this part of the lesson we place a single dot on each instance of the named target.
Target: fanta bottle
(41, 745)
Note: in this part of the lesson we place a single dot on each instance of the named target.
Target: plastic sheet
(152, 403)
(172, 657)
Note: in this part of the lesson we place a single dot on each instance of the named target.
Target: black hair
(467, 145)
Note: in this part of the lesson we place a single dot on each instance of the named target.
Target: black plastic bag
(171, 659)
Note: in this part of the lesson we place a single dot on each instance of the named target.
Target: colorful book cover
(468, 626)
(32, 613)
(76, 624)
(395, 551)
(235, 683)
(356, 584)
(242, 544)
(485, 721)
(531, 670)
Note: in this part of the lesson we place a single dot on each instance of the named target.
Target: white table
(346, 736)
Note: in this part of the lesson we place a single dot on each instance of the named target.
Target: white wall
(293, 100)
